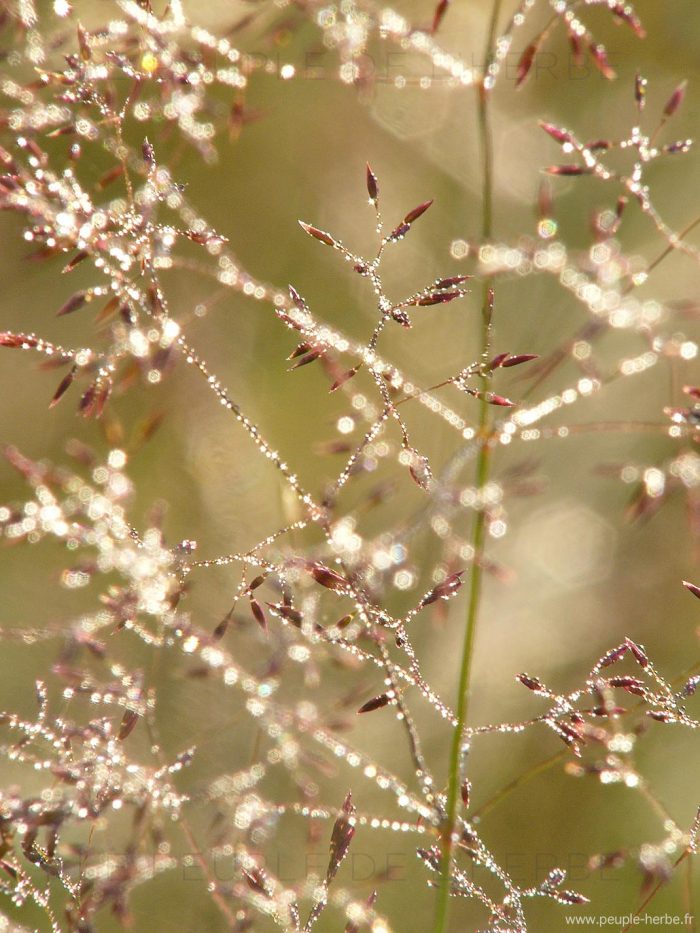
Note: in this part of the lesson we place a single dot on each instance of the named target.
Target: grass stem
(482, 475)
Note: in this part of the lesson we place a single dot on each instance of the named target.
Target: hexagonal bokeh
(569, 542)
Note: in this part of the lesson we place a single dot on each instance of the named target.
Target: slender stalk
(482, 475)
(518, 782)
(686, 853)
(688, 888)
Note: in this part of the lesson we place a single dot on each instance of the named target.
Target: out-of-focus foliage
(246, 495)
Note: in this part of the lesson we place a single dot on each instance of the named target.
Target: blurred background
(576, 570)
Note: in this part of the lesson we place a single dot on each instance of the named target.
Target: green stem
(479, 528)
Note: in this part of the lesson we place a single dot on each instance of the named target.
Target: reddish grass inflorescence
(321, 589)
